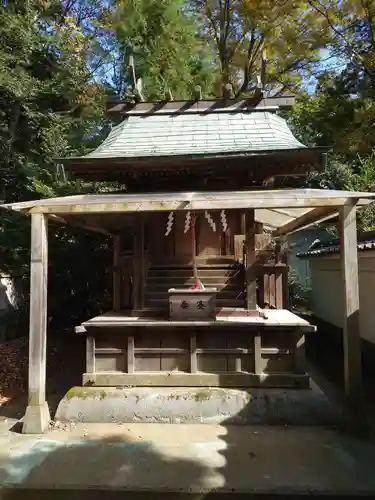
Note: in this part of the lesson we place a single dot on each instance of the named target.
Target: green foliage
(359, 175)
(169, 55)
(284, 33)
(48, 103)
(298, 292)
(49, 107)
(334, 118)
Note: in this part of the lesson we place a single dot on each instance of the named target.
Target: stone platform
(198, 405)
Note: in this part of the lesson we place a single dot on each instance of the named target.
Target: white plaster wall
(327, 291)
(300, 242)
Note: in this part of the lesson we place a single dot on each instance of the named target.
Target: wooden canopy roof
(281, 211)
(199, 137)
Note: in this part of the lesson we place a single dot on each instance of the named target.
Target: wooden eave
(261, 164)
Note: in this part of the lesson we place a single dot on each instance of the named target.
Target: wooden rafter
(77, 222)
(308, 219)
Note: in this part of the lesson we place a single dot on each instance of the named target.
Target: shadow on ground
(248, 464)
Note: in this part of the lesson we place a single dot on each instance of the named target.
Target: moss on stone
(204, 394)
(77, 392)
(83, 393)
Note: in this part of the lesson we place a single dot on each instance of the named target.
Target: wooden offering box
(192, 305)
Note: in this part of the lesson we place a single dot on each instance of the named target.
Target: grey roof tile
(365, 242)
(171, 135)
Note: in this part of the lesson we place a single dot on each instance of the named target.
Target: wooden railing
(273, 290)
(272, 279)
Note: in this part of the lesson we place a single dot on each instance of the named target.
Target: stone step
(209, 281)
(200, 263)
(188, 272)
(226, 295)
(229, 286)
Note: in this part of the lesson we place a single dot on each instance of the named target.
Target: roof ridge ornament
(137, 85)
(199, 106)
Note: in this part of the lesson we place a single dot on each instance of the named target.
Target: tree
(352, 25)
(347, 94)
(47, 101)
(49, 107)
(169, 55)
(281, 35)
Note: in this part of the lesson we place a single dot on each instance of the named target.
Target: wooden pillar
(90, 354)
(37, 417)
(351, 327)
(138, 262)
(193, 352)
(130, 354)
(116, 292)
(257, 348)
(251, 289)
(243, 222)
(142, 256)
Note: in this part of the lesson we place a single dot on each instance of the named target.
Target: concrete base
(36, 419)
(197, 405)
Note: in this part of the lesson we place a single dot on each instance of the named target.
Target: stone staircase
(227, 276)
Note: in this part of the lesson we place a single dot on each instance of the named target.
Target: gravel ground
(13, 369)
(65, 365)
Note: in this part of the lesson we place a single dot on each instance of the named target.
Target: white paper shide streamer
(210, 220)
(223, 218)
(187, 222)
(169, 223)
(187, 226)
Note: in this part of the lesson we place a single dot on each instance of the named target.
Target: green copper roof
(199, 134)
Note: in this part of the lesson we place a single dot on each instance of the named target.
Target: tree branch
(331, 24)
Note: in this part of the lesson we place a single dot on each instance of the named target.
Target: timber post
(138, 262)
(353, 403)
(37, 416)
(251, 286)
(116, 273)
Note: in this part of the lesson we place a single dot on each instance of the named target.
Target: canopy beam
(319, 214)
(128, 206)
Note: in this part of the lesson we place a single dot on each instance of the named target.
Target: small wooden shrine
(200, 292)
